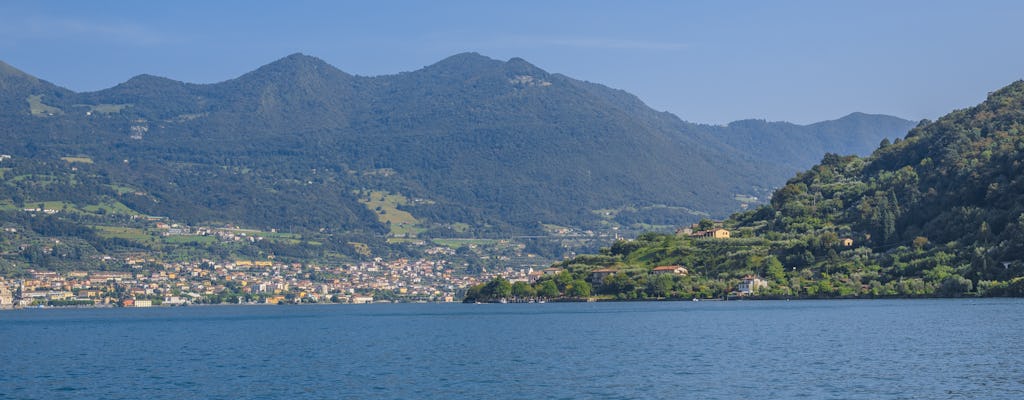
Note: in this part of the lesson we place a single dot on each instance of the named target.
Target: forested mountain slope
(939, 212)
(500, 147)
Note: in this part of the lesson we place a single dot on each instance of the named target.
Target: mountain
(799, 147)
(939, 212)
(502, 147)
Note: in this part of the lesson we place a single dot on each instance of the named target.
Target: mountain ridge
(503, 146)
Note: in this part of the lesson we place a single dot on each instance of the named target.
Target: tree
(498, 288)
(705, 224)
(618, 283)
(662, 285)
(919, 242)
(523, 289)
(548, 289)
(563, 280)
(578, 288)
(773, 269)
(955, 285)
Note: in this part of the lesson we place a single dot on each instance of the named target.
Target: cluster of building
(245, 281)
(694, 231)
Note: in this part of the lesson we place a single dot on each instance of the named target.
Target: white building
(751, 284)
(362, 299)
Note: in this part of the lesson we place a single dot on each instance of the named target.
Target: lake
(831, 349)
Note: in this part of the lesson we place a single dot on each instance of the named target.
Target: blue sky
(705, 61)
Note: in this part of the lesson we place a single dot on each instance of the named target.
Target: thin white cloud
(37, 27)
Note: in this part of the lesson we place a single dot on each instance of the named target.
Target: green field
(385, 205)
(456, 243)
(77, 159)
(36, 106)
(110, 208)
(122, 189)
(185, 239)
(281, 235)
(121, 232)
(51, 205)
(115, 207)
(108, 108)
(361, 248)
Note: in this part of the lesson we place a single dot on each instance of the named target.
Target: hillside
(937, 213)
(475, 146)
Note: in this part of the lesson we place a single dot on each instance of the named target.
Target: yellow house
(716, 233)
(274, 300)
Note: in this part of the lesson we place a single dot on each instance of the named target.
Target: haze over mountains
(500, 147)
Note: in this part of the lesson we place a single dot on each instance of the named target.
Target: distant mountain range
(468, 146)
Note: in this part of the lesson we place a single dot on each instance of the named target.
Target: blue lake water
(841, 349)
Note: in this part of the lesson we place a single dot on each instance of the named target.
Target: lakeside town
(246, 282)
(148, 282)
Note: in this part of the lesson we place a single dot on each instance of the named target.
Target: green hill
(939, 212)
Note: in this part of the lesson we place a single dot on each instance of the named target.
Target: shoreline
(592, 300)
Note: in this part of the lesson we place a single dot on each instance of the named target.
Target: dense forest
(502, 148)
(939, 212)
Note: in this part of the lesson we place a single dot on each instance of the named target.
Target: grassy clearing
(108, 108)
(36, 106)
(187, 239)
(114, 207)
(361, 248)
(556, 229)
(121, 232)
(460, 227)
(77, 159)
(406, 231)
(456, 243)
(51, 205)
(109, 208)
(282, 235)
(122, 189)
(385, 206)
(404, 240)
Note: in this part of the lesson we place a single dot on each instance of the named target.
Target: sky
(705, 61)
